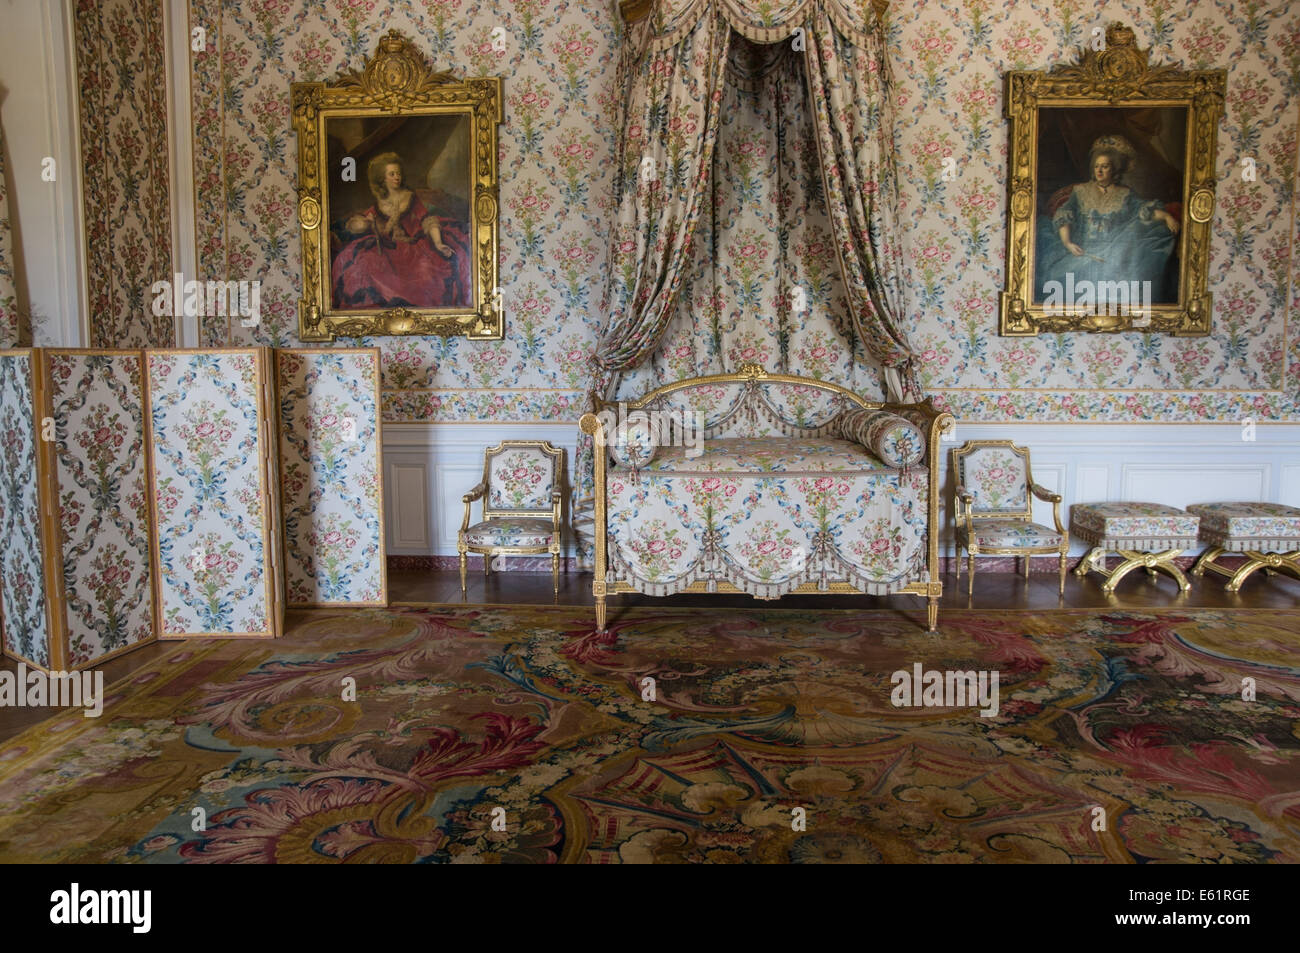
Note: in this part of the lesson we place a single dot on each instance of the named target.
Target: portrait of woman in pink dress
(399, 252)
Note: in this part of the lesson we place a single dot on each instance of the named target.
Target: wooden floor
(992, 591)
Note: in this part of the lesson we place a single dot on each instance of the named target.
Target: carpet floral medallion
(495, 735)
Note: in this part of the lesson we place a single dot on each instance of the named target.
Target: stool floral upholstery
(521, 493)
(993, 510)
(1148, 535)
(1266, 534)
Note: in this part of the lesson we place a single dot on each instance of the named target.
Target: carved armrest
(1044, 494)
(469, 498)
(1047, 496)
(965, 501)
(557, 501)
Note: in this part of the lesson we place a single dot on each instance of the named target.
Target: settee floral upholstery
(770, 497)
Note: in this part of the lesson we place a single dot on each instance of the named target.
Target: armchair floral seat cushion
(510, 532)
(1013, 534)
(994, 514)
(521, 493)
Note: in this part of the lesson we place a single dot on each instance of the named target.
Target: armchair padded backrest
(520, 476)
(996, 477)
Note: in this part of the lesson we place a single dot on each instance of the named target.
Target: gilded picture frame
(398, 200)
(1111, 193)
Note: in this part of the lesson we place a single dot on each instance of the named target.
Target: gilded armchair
(993, 509)
(521, 492)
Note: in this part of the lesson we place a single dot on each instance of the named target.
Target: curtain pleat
(848, 85)
(665, 171)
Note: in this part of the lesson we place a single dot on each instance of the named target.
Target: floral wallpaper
(558, 141)
(949, 59)
(122, 97)
(10, 330)
(330, 476)
(209, 502)
(22, 579)
(98, 417)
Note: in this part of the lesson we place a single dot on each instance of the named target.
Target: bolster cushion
(895, 440)
(633, 445)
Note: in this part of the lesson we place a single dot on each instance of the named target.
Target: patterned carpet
(1130, 722)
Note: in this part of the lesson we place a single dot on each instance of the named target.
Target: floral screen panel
(97, 407)
(22, 567)
(331, 487)
(214, 504)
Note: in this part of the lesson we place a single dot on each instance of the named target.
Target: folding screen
(77, 574)
(220, 570)
(331, 488)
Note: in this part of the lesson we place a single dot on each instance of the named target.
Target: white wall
(38, 74)
(427, 468)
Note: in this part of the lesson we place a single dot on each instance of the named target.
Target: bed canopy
(756, 200)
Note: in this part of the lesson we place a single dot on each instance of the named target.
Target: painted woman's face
(1102, 170)
(393, 176)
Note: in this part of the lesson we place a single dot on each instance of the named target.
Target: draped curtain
(749, 250)
(662, 183)
(764, 284)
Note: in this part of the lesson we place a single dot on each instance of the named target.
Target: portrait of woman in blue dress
(1101, 230)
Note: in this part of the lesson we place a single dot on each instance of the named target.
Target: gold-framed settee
(767, 484)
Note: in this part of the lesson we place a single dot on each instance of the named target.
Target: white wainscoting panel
(1178, 484)
(1092, 483)
(1290, 492)
(429, 467)
(439, 464)
(406, 483)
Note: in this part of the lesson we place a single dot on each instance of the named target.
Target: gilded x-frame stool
(1148, 536)
(1266, 534)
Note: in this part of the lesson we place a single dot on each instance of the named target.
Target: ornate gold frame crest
(397, 81)
(1118, 75)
